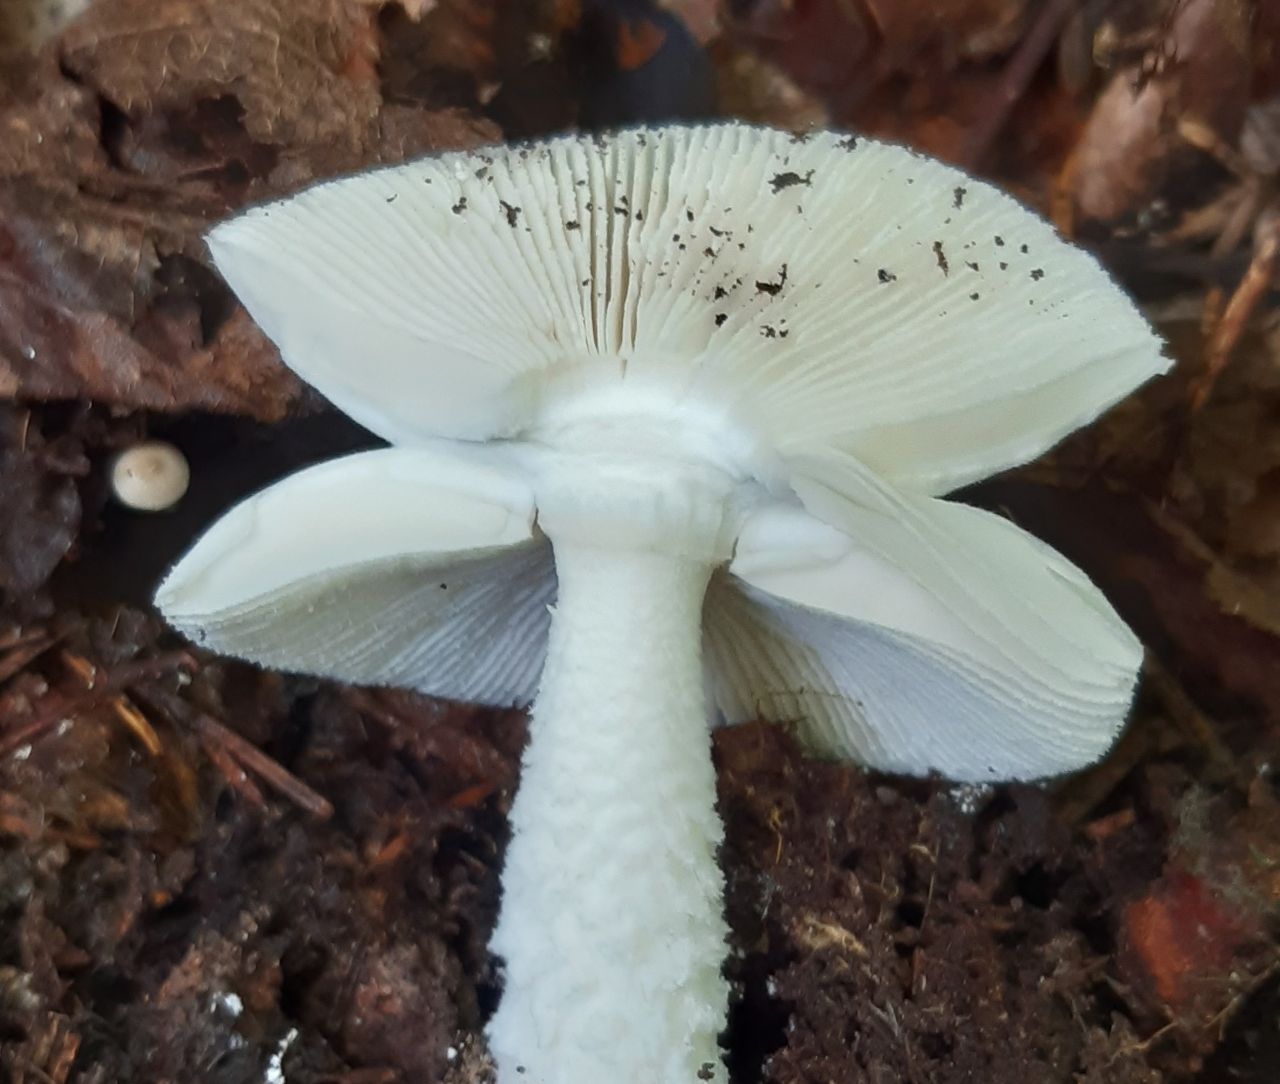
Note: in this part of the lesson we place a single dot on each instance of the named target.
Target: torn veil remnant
(669, 425)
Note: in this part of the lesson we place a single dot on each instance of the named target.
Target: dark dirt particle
(719, 293)
(780, 182)
(959, 195)
(460, 206)
(688, 214)
(974, 296)
(885, 275)
(999, 241)
(773, 288)
(848, 143)
(573, 224)
(721, 318)
(511, 213)
(941, 257)
(719, 233)
(1023, 249)
(1004, 266)
(1037, 274)
(971, 265)
(710, 253)
(393, 197)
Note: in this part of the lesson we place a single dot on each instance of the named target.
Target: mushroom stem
(612, 922)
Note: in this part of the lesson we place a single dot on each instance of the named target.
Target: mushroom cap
(824, 291)
(915, 634)
(898, 630)
(884, 327)
(401, 566)
(151, 476)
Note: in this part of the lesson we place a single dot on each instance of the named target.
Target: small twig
(362, 1076)
(1235, 318)
(117, 678)
(137, 724)
(235, 752)
(22, 654)
(53, 710)
(1188, 718)
(86, 671)
(235, 775)
(472, 796)
(18, 637)
(1015, 79)
(153, 666)
(270, 771)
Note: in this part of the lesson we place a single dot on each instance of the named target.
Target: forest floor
(213, 873)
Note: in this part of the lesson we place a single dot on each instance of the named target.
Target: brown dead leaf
(1197, 937)
(1201, 71)
(962, 29)
(123, 325)
(827, 47)
(296, 69)
(1227, 482)
(702, 18)
(41, 506)
(178, 111)
(25, 25)
(756, 89)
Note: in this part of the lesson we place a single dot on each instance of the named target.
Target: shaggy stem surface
(612, 921)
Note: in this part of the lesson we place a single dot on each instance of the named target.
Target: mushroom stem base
(612, 921)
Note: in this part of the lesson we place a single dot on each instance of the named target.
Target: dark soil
(211, 873)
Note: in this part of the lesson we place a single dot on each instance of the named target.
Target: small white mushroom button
(150, 477)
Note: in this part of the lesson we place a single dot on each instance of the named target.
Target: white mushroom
(151, 476)
(675, 399)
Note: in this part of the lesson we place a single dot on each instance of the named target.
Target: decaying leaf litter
(214, 873)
